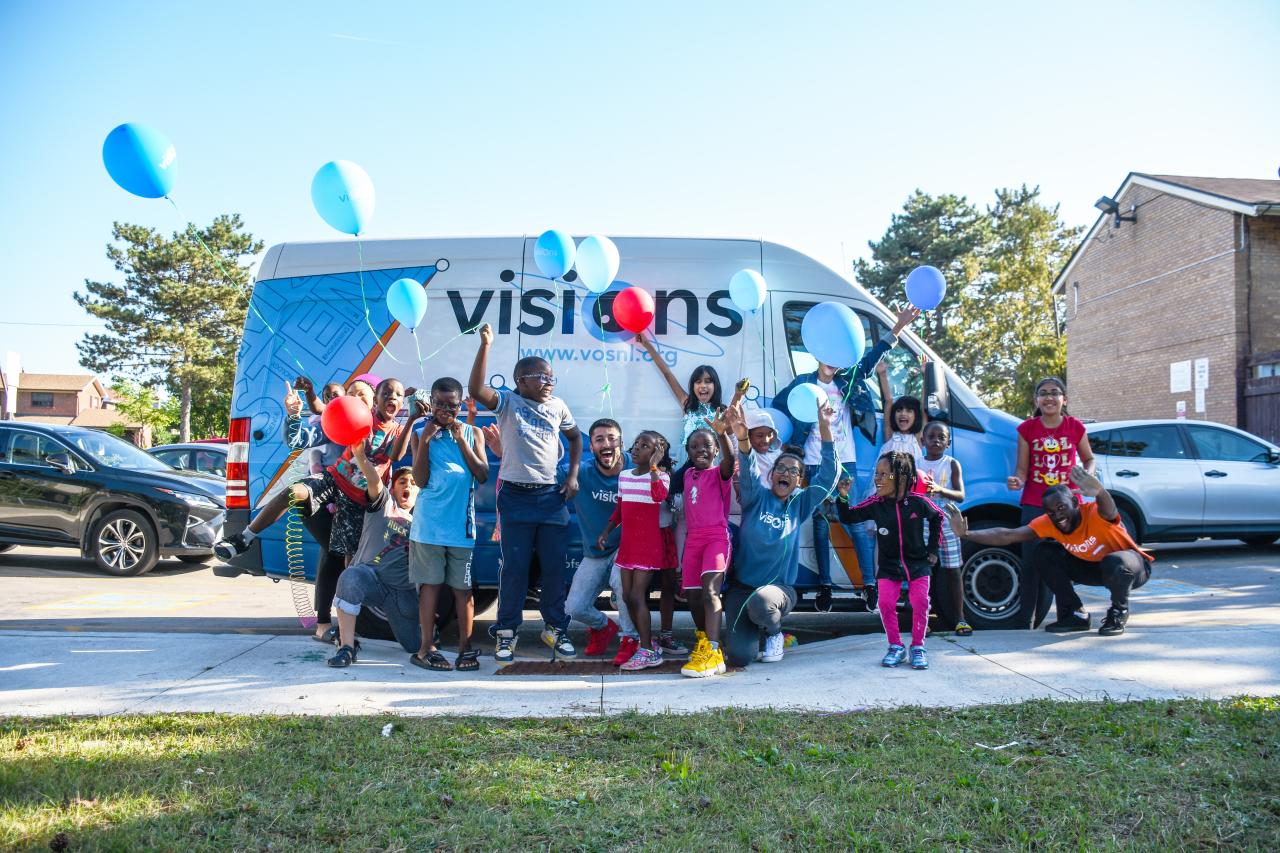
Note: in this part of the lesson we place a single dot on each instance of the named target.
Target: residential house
(76, 399)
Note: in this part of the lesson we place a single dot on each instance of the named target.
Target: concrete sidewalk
(1183, 640)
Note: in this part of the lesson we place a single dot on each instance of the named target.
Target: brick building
(77, 399)
(1173, 304)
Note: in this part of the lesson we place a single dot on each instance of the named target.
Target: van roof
(321, 257)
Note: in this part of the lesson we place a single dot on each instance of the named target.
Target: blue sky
(804, 123)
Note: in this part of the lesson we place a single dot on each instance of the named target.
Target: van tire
(123, 543)
(993, 581)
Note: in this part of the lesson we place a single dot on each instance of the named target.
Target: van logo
(544, 311)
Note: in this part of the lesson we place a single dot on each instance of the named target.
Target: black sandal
(433, 661)
(468, 661)
(330, 636)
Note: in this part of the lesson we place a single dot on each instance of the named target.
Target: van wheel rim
(991, 585)
(121, 544)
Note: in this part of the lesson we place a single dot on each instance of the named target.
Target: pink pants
(918, 594)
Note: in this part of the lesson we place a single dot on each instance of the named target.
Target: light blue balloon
(554, 253)
(926, 288)
(803, 402)
(781, 425)
(747, 290)
(407, 302)
(342, 194)
(832, 333)
(140, 159)
(597, 262)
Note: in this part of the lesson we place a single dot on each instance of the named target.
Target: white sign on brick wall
(1181, 409)
(1179, 377)
(1202, 374)
(1200, 400)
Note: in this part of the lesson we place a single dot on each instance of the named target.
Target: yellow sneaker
(705, 661)
(717, 657)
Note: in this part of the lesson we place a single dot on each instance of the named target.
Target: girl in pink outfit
(707, 496)
(641, 490)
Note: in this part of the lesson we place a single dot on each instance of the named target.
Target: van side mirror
(62, 461)
(937, 401)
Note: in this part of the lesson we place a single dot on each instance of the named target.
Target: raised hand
(1086, 482)
(292, 402)
(959, 526)
(1014, 483)
(492, 439)
(304, 385)
(486, 335)
(906, 317)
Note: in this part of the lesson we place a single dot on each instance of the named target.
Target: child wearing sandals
(908, 527)
(448, 461)
(641, 552)
(944, 484)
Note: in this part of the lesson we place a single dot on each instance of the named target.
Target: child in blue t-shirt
(448, 461)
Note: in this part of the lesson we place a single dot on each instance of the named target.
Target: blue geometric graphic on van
(328, 334)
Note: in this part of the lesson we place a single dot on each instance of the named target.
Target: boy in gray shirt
(531, 507)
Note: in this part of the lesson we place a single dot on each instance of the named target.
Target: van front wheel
(993, 587)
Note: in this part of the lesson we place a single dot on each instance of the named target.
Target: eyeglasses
(1054, 393)
(445, 407)
(544, 378)
(793, 470)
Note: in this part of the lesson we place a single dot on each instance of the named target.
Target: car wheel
(124, 544)
(1259, 541)
(1126, 518)
(993, 583)
(195, 559)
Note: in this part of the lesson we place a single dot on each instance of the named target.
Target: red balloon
(633, 309)
(346, 420)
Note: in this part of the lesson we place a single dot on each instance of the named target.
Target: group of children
(718, 528)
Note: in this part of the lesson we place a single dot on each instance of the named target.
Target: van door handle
(1215, 473)
(1126, 473)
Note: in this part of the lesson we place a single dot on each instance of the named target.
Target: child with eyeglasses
(1050, 443)
(532, 508)
(448, 461)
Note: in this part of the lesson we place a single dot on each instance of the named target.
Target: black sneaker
(505, 651)
(823, 601)
(1067, 624)
(345, 657)
(870, 596)
(558, 640)
(226, 549)
(1116, 619)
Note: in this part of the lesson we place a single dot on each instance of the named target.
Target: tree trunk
(184, 425)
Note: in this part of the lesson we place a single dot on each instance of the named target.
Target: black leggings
(1119, 572)
(319, 524)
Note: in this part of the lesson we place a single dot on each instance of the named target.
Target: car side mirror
(62, 461)
(1274, 457)
(937, 400)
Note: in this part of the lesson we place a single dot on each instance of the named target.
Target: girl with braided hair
(908, 526)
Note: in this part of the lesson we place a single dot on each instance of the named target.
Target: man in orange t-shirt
(1079, 543)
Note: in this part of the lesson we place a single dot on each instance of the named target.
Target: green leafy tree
(177, 318)
(1011, 327)
(141, 404)
(944, 231)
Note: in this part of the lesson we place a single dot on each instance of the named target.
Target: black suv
(64, 486)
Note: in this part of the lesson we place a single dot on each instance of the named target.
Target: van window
(1100, 444)
(905, 376)
(1223, 446)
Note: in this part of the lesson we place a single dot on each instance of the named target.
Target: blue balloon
(140, 159)
(781, 425)
(554, 253)
(747, 290)
(407, 302)
(803, 402)
(832, 333)
(342, 194)
(597, 261)
(926, 288)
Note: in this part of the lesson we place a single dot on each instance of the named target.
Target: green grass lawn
(1142, 776)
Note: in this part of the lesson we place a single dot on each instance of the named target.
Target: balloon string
(217, 262)
(364, 302)
(422, 370)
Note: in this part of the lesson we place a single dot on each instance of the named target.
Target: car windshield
(105, 449)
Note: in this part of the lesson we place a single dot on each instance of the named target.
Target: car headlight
(192, 500)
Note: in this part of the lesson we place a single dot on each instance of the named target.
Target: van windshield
(905, 374)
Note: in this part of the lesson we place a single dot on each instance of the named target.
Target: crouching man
(379, 572)
(1079, 543)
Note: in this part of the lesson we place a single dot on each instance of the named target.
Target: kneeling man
(1079, 543)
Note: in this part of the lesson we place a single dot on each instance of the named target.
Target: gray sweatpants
(750, 615)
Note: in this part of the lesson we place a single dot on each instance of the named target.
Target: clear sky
(804, 123)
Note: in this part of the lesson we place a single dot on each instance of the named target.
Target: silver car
(1177, 480)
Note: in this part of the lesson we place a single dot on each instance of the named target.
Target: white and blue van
(322, 305)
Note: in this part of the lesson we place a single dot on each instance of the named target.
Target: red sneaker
(626, 649)
(598, 639)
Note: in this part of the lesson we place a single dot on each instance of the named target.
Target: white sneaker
(773, 647)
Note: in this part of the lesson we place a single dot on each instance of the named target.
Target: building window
(41, 400)
(1266, 370)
